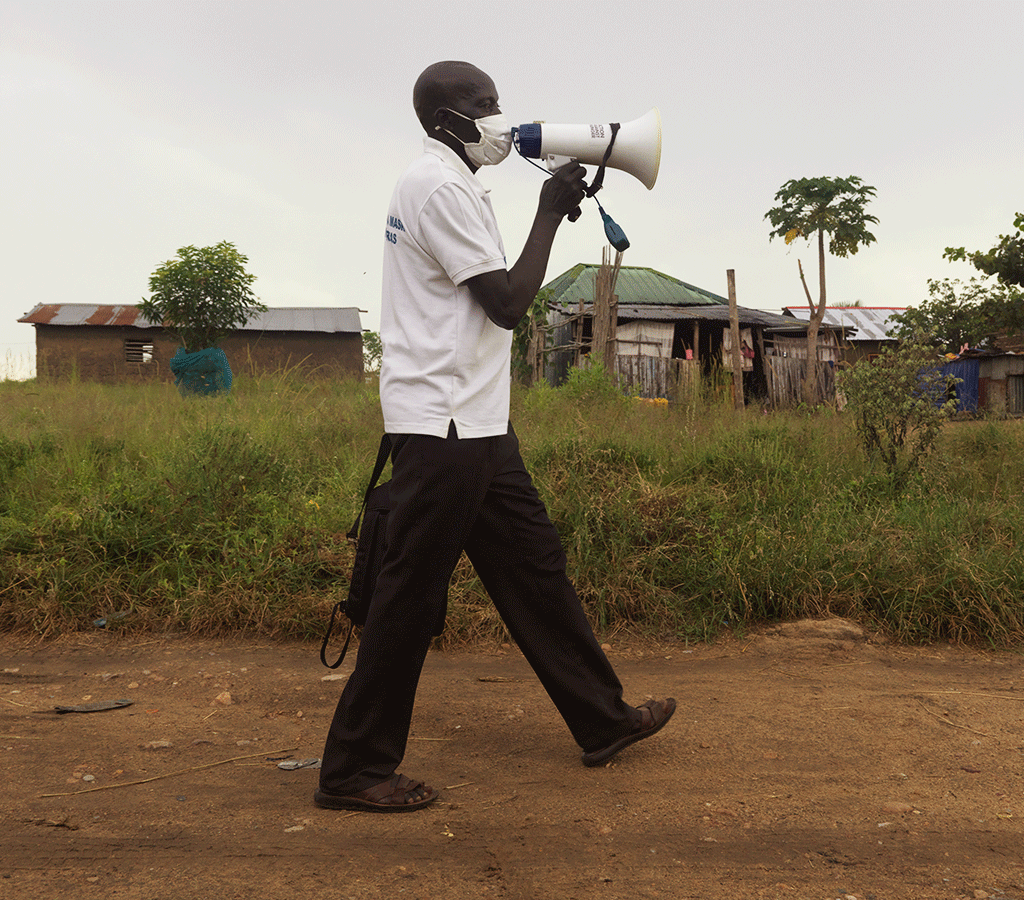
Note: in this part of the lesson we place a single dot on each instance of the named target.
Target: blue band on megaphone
(527, 140)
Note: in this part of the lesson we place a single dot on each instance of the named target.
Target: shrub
(899, 401)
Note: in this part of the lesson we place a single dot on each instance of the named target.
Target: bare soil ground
(805, 761)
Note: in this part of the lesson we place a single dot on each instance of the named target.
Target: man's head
(447, 95)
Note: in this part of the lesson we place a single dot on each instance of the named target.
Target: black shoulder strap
(382, 458)
(378, 467)
(327, 637)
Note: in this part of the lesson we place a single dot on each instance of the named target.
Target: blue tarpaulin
(203, 372)
(966, 391)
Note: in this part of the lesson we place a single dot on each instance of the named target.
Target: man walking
(459, 484)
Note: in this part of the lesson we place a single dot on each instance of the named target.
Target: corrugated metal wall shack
(1001, 384)
(115, 343)
(992, 382)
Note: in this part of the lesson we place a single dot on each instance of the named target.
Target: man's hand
(563, 191)
(507, 295)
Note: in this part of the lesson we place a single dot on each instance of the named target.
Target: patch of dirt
(806, 761)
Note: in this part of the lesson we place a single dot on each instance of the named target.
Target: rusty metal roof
(85, 314)
(281, 318)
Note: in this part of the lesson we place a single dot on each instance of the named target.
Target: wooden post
(612, 353)
(764, 358)
(611, 307)
(599, 316)
(734, 328)
(533, 354)
(578, 355)
(540, 359)
(606, 303)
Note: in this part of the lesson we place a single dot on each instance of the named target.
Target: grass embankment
(222, 515)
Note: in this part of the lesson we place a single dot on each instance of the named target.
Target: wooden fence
(786, 380)
(649, 376)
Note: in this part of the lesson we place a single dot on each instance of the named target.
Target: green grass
(228, 514)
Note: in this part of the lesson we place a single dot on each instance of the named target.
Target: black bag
(369, 533)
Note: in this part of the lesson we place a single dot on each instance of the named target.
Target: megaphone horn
(637, 147)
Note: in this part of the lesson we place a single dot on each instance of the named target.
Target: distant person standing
(459, 483)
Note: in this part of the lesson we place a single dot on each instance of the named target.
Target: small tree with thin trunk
(202, 295)
(810, 207)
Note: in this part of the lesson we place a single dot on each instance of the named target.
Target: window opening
(138, 351)
(1015, 394)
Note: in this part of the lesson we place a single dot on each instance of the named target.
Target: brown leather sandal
(654, 715)
(395, 794)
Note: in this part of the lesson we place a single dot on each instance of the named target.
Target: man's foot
(394, 794)
(655, 714)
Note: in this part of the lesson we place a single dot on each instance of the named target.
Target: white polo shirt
(443, 359)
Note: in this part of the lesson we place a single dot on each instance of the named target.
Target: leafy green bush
(899, 401)
(591, 383)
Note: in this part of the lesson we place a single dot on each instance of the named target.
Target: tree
(1005, 260)
(955, 314)
(202, 295)
(373, 351)
(899, 401)
(820, 206)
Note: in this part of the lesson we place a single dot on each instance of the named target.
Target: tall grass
(227, 514)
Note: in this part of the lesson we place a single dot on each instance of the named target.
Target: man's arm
(507, 294)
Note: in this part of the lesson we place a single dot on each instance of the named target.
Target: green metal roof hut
(666, 333)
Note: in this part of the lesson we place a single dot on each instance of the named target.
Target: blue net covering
(203, 372)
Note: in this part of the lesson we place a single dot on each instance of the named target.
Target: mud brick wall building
(114, 344)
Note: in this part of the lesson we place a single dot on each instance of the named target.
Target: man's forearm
(507, 295)
(527, 275)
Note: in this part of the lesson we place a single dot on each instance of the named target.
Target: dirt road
(808, 761)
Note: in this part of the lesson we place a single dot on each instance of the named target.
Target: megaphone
(636, 148)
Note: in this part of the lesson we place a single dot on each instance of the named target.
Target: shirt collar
(452, 159)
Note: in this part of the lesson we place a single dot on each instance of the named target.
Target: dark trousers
(472, 495)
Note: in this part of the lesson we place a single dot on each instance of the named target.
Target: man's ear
(442, 122)
(453, 124)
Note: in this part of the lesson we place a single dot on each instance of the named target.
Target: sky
(130, 129)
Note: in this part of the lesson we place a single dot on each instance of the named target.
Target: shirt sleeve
(454, 231)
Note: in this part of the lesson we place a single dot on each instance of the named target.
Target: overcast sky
(131, 129)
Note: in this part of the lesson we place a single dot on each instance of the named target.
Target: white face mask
(495, 139)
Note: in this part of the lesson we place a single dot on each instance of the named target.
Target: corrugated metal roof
(653, 296)
(715, 313)
(308, 318)
(280, 318)
(637, 284)
(872, 323)
(85, 314)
